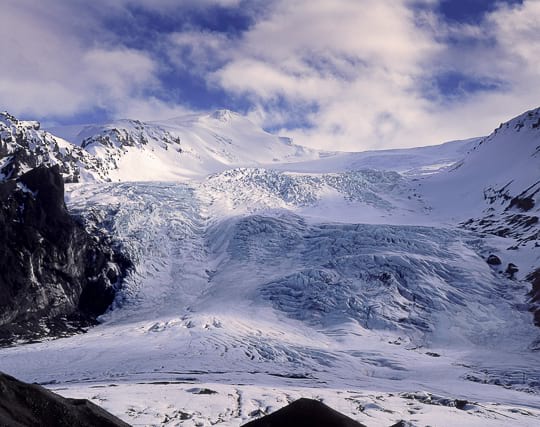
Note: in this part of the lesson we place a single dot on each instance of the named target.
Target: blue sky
(336, 74)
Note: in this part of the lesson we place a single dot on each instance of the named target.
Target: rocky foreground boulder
(27, 405)
(310, 413)
(305, 412)
(55, 277)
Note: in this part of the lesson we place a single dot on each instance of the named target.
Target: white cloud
(366, 65)
(360, 72)
(516, 31)
(374, 31)
(167, 5)
(49, 69)
(116, 73)
(198, 50)
(268, 81)
(359, 62)
(150, 108)
(504, 48)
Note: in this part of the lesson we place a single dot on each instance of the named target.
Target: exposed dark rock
(511, 270)
(524, 228)
(59, 277)
(461, 404)
(494, 260)
(202, 391)
(24, 405)
(432, 399)
(525, 204)
(534, 295)
(492, 195)
(402, 423)
(305, 412)
(119, 139)
(525, 201)
(511, 215)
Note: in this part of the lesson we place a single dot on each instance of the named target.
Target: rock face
(24, 404)
(494, 260)
(305, 412)
(534, 295)
(55, 276)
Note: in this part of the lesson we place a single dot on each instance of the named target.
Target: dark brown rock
(305, 412)
(461, 404)
(511, 270)
(27, 405)
(402, 423)
(534, 295)
(522, 203)
(493, 260)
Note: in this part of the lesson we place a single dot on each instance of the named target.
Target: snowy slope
(194, 146)
(495, 190)
(411, 162)
(501, 167)
(273, 272)
(190, 147)
(182, 148)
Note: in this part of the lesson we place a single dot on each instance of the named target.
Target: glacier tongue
(269, 299)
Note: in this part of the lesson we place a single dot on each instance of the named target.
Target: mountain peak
(9, 120)
(224, 115)
(6, 117)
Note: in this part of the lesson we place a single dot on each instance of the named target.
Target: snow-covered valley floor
(247, 294)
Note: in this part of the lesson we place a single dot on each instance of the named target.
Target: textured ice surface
(272, 301)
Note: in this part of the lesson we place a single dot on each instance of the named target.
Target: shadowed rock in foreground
(24, 404)
(305, 412)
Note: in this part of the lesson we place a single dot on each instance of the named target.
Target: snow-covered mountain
(189, 147)
(500, 174)
(24, 146)
(131, 150)
(181, 148)
(495, 188)
(264, 271)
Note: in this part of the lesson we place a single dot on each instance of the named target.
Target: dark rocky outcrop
(402, 423)
(55, 277)
(24, 146)
(493, 260)
(511, 270)
(305, 412)
(534, 295)
(27, 405)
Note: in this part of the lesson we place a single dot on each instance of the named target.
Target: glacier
(353, 278)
